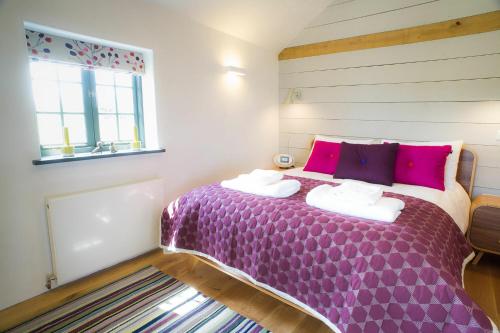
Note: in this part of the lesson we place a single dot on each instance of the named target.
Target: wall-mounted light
(233, 70)
(293, 95)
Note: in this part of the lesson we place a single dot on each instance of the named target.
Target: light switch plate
(498, 135)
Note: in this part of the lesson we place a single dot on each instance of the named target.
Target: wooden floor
(482, 282)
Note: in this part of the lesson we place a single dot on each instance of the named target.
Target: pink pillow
(421, 165)
(324, 157)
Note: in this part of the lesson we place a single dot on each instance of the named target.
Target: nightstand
(484, 225)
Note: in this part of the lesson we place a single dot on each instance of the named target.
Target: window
(95, 105)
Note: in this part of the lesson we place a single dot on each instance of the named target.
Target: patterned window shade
(43, 46)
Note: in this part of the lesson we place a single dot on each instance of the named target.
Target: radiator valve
(51, 281)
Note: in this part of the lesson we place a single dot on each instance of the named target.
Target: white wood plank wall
(438, 90)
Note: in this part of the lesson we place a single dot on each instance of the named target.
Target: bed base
(239, 277)
(249, 283)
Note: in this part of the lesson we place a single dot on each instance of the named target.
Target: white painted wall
(262, 22)
(438, 90)
(210, 128)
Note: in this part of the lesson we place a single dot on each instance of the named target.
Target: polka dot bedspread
(360, 275)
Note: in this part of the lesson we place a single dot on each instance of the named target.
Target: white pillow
(450, 171)
(339, 140)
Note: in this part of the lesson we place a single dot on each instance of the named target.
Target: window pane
(72, 99)
(76, 127)
(105, 99)
(46, 96)
(42, 70)
(127, 124)
(107, 127)
(50, 129)
(104, 77)
(125, 100)
(123, 79)
(70, 73)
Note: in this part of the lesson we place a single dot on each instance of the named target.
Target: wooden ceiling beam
(452, 28)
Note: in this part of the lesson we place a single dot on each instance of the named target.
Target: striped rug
(146, 301)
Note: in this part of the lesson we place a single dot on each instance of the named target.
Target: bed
(355, 275)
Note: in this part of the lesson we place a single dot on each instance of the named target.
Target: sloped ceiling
(267, 23)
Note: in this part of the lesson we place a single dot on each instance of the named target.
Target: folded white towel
(279, 189)
(360, 193)
(385, 209)
(266, 177)
(260, 177)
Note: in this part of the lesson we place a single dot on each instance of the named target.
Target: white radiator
(93, 230)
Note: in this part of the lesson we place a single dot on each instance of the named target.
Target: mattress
(454, 201)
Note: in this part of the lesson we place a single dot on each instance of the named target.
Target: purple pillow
(421, 165)
(324, 157)
(369, 163)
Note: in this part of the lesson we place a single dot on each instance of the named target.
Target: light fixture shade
(293, 95)
(235, 70)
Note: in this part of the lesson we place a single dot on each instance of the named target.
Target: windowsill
(90, 156)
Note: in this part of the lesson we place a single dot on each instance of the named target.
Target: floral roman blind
(42, 46)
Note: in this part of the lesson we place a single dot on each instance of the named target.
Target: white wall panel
(472, 112)
(436, 90)
(304, 140)
(431, 12)
(296, 140)
(485, 190)
(362, 8)
(462, 90)
(487, 177)
(334, 3)
(439, 70)
(484, 134)
(488, 155)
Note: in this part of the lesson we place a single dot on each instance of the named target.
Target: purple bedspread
(364, 276)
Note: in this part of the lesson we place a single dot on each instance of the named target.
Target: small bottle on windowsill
(67, 150)
(136, 144)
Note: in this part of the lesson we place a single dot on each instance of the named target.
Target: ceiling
(267, 23)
